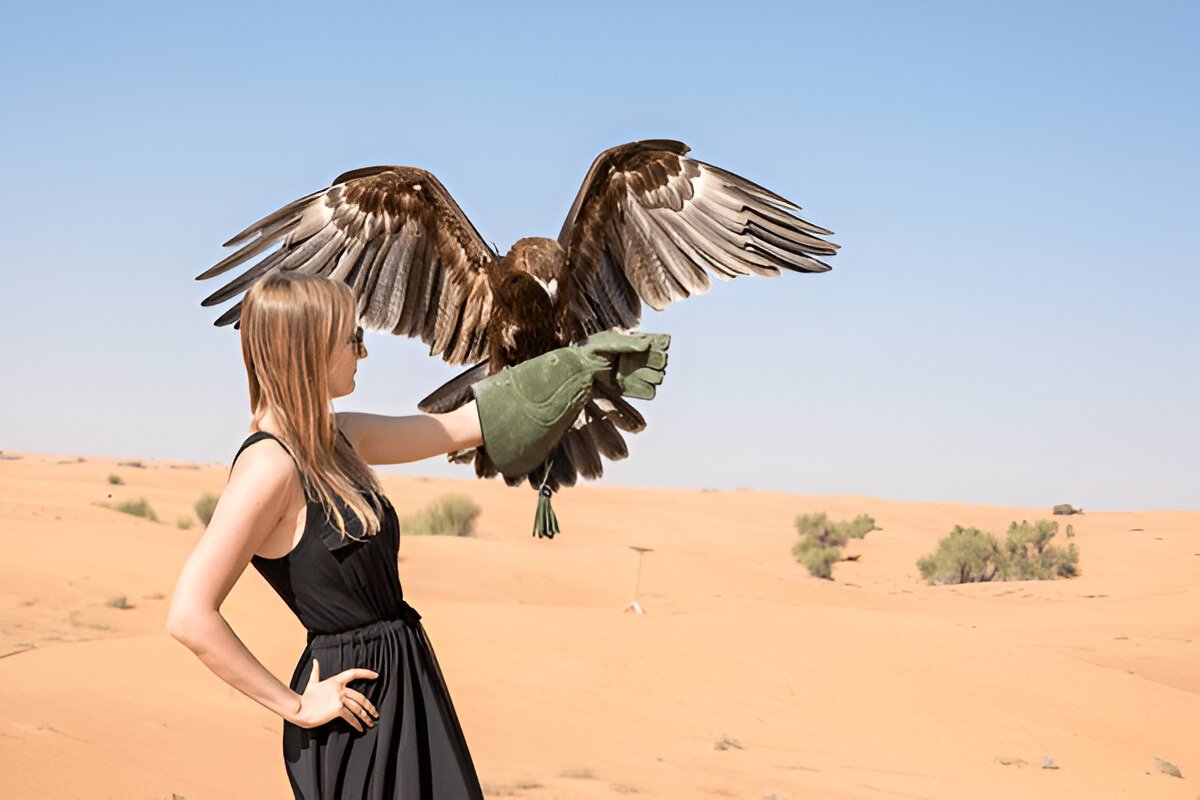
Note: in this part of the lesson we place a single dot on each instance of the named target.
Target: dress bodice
(334, 583)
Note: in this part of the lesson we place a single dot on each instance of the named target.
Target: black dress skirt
(346, 592)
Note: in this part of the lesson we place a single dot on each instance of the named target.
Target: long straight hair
(291, 326)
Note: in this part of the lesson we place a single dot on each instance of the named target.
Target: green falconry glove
(524, 410)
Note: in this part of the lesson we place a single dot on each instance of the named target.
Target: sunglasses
(356, 341)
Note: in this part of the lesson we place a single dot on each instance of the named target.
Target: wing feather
(393, 234)
(363, 263)
(651, 225)
(269, 223)
(414, 294)
(386, 302)
(243, 281)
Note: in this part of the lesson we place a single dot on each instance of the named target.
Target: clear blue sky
(1012, 319)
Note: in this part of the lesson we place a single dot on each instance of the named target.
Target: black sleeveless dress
(347, 594)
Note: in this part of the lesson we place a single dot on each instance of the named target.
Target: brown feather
(652, 223)
(397, 237)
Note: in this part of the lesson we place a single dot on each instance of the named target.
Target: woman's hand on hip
(325, 700)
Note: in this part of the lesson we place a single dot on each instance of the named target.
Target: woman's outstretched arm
(260, 491)
(382, 439)
(525, 408)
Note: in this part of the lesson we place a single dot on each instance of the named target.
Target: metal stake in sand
(635, 605)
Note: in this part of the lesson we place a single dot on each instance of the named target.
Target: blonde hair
(291, 326)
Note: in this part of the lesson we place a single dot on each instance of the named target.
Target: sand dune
(870, 686)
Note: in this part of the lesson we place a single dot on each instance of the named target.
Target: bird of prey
(649, 225)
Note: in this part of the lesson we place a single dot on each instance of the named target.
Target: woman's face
(343, 363)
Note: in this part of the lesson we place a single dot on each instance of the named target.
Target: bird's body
(529, 314)
(648, 225)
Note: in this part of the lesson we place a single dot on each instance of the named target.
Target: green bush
(449, 515)
(139, 508)
(184, 523)
(116, 480)
(818, 559)
(969, 555)
(1031, 556)
(205, 507)
(820, 547)
(834, 534)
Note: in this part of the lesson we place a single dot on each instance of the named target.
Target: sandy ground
(869, 686)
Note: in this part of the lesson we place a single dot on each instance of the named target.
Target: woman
(366, 713)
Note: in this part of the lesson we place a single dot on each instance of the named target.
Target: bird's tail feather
(455, 392)
(595, 436)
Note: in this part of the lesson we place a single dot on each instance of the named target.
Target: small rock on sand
(1167, 767)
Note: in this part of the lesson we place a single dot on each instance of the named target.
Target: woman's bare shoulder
(268, 464)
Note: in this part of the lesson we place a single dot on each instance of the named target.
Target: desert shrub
(1031, 556)
(119, 601)
(817, 558)
(821, 540)
(184, 523)
(449, 515)
(139, 508)
(205, 507)
(116, 480)
(833, 534)
(969, 555)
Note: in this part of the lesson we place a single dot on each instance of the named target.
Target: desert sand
(872, 685)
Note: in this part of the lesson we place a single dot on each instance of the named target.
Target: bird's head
(541, 259)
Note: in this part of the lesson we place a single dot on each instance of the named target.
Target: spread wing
(394, 235)
(650, 225)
